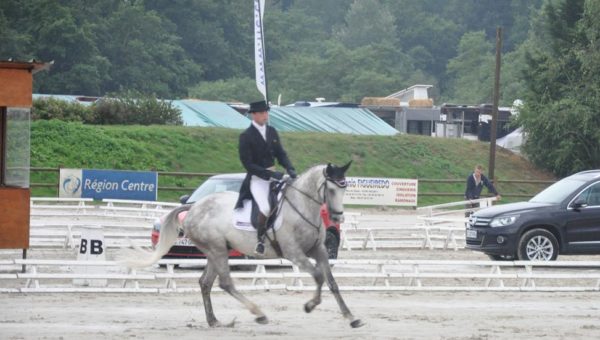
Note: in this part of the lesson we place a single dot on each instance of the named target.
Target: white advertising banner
(259, 48)
(381, 191)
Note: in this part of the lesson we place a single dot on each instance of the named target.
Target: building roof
(208, 113)
(83, 100)
(329, 119)
(413, 92)
(33, 65)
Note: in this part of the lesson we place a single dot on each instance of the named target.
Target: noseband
(340, 183)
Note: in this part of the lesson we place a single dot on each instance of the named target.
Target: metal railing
(540, 184)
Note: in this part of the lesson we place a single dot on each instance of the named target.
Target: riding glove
(277, 175)
(292, 173)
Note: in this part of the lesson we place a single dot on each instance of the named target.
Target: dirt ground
(388, 315)
(418, 315)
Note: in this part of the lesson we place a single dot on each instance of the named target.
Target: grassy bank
(193, 149)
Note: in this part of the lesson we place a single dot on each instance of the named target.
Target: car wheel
(538, 245)
(332, 244)
(501, 257)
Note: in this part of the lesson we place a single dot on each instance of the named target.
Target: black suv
(564, 218)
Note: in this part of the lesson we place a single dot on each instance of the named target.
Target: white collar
(262, 129)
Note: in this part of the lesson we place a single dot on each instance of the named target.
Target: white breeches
(260, 191)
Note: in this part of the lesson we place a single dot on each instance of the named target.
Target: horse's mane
(313, 168)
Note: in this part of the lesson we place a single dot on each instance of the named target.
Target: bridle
(340, 183)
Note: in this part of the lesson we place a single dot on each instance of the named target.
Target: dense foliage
(337, 49)
(562, 103)
(127, 108)
(342, 50)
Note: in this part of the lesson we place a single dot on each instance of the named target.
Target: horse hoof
(308, 307)
(262, 320)
(356, 323)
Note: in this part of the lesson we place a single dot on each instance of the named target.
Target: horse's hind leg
(206, 282)
(225, 282)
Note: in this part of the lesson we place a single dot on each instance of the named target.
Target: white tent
(512, 141)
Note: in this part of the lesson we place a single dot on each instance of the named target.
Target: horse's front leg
(323, 265)
(304, 264)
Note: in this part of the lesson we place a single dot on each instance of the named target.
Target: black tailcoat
(257, 155)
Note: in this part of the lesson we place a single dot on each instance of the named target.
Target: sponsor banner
(381, 191)
(259, 48)
(116, 184)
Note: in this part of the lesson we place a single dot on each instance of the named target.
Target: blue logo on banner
(71, 184)
(129, 185)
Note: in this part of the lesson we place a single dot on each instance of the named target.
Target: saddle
(275, 188)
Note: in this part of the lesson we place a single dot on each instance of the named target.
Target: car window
(213, 185)
(558, 191)
(591, 195)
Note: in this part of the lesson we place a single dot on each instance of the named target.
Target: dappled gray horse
(209, 225)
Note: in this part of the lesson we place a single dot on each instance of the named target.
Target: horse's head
(335, 186)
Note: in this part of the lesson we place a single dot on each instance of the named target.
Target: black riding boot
(261, 229)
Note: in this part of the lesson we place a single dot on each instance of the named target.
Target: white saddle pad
(242, 221)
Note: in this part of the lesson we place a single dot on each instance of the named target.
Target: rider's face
(261, 117)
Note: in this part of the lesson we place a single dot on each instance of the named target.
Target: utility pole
(493, 128)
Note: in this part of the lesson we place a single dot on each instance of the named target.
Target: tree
(229, 90)
(146, 53)
(561, 112)
(216, 34)
(472, 70)
(13, 44)
(368, 22)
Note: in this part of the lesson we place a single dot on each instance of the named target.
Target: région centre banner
(115, 184)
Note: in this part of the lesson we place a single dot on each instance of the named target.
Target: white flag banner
(259, 50)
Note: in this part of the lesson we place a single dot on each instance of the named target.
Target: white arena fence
(57, 222)
(439, 226)
(60, 276)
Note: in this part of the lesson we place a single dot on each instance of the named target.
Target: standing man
(258, 147)
(475, 183)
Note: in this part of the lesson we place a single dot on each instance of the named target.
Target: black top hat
(258, 107)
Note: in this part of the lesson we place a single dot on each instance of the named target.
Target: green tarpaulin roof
(286, 118)
(329, 119)
(212, 114)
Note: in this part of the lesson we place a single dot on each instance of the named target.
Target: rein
(340, 183)
(310, 197)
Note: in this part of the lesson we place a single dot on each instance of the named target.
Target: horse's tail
(168, 235)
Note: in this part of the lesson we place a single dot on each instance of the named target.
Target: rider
(259, 145)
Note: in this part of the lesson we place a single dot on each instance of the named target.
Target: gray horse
(209, 225)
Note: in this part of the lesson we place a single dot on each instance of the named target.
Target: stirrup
(260, 249)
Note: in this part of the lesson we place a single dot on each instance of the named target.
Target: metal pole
(492, 163)
(24, 267)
